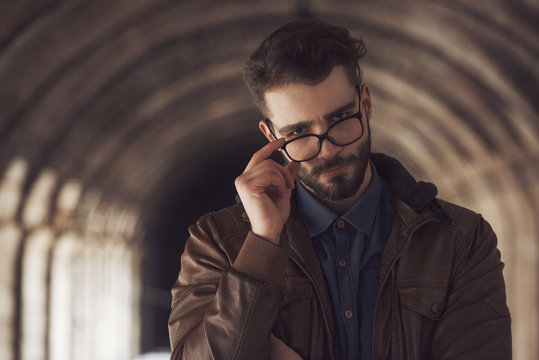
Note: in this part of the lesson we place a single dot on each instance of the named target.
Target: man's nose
(328, 150)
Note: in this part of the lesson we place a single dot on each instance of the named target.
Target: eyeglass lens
(343, 133)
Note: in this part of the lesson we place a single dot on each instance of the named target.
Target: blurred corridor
(123, 121)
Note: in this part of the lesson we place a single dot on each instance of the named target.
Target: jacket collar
(419, 196)
(402, 184)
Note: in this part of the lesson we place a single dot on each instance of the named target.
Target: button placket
(342, 262)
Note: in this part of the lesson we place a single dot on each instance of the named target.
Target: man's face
(338, 171)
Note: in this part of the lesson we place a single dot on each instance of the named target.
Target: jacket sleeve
(224, 310)
(476, 323)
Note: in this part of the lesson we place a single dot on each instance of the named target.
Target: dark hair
(302, 51)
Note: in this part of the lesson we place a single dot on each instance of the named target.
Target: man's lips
(336, 170)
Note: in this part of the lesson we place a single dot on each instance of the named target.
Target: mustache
(336, 161)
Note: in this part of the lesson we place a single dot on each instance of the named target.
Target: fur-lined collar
(417, 195)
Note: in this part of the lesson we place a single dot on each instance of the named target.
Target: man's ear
(365, 93)
(263, 126)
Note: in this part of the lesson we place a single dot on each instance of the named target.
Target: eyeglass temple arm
(269, 125)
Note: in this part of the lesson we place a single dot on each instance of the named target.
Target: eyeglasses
(341, 133)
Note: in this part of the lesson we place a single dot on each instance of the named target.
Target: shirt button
(342, 263)
(348, 314)
(340, 224)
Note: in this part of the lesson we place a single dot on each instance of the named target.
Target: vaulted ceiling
(143, 100)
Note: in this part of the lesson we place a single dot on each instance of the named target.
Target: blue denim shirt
(350, 248)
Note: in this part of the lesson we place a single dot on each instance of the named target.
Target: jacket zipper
(326, 322)
(376, 354)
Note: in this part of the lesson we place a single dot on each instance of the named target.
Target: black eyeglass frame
(323, 136)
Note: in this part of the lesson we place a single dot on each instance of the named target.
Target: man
(340, 254)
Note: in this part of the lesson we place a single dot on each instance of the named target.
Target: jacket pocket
(421, 307)
(426, 301)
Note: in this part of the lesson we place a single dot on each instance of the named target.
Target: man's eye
(339, 116)
(297, 131)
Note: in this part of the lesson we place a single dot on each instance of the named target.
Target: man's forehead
(301, 102)
(287, 107)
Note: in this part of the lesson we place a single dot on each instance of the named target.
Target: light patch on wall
(37, 205)
(11, 185)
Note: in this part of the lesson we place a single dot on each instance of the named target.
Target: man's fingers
(267, 174)
(287, 173)
(279, 350)
(292, 168)
(265, 152)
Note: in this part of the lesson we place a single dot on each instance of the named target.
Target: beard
(341, 186)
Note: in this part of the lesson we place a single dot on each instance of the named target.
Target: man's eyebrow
(301, 124)
(330, 115)
(345, 107)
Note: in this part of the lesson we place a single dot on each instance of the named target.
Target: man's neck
(340, 207)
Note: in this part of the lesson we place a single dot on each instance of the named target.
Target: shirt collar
(362, 214)
(318, 218)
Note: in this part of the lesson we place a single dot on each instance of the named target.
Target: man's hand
(265, 188)
(281, 351)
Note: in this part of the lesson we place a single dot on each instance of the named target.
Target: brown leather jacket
(441, 294)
